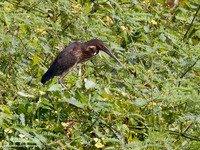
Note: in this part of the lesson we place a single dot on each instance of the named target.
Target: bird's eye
(91, 48)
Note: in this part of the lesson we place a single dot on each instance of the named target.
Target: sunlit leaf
(25, 94)
(35, 59)
(89, 84)
(55, 87)
(73, 101)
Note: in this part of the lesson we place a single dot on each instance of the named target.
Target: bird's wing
(64, 61)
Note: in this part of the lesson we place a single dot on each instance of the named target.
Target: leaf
(140, 102)
(162, 37)
(7, 110)
(35, 59)
(89, 84)
(25, 94)
(74, 102)
(22, 119)
(112, 140)
(47, 103)
(55, 87)
(21, 109)
(136, 116)
(146, 28)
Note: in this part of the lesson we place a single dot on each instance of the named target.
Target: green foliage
(150, 102)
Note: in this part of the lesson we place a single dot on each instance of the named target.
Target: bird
(73, 54)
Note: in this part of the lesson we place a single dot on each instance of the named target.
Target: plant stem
(191, 23)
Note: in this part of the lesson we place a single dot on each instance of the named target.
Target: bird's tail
(47, 76)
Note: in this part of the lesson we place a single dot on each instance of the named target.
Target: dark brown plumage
(72, 55)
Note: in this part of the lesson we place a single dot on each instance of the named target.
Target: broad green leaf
(89, 84)
(25, 94)
(35, 59)
(73, 101)
(55, 87)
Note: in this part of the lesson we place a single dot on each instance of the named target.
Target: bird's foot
(65, 88)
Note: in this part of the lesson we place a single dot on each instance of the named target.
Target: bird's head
(95, 45)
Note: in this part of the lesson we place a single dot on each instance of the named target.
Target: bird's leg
(61, 78)
(63, 75)
(60, 82)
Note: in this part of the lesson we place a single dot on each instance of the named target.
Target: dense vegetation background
(150, 102)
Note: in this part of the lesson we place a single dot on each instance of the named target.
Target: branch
(143, 5)
(189, 68)
(191, 137)
(183, 134)
(191, 22)
(67, 26)
(57, 38)
(26, 7)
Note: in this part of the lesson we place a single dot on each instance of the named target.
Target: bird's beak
(105, 49)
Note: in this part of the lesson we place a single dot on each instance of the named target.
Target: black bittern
(72, 55)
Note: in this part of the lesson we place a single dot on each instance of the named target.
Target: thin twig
(184, 135)
(25, 7)
(189, 68)
(191, 137)
(152, 92)
(187, 128)
(67, 26)
(72, 120)
(191, 22)
(90, 127)
(58, 38)
(188, 136)
(33, 6)
(143, 5)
